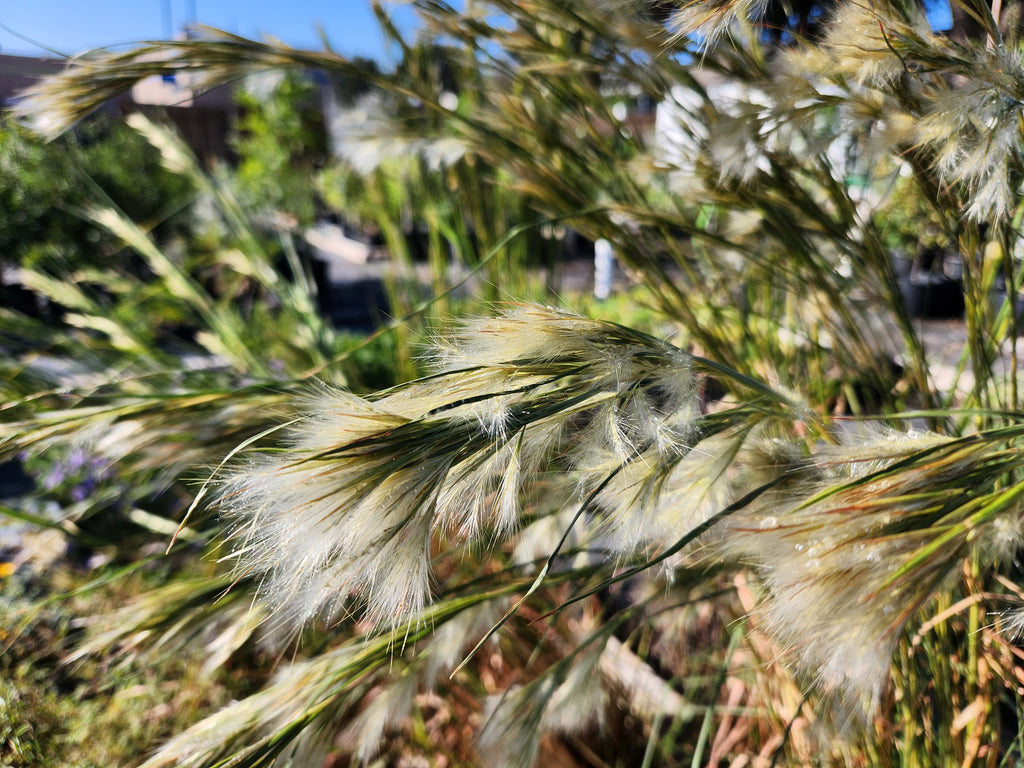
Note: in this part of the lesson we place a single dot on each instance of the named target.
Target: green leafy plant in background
(44, 186)
(42, 182)
(280, 144)
(745, 540)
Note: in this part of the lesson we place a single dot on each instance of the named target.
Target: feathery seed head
(389, 707)
(512, 725)
(567, 698)
(710, 20)
(653, 501)
(974, 133)
(876, 531)
(859, 38)
(345, 511)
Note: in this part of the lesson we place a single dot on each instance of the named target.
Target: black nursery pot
(932, 296)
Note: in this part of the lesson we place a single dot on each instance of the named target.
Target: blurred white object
(604, 262)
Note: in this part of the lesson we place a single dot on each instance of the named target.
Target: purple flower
(75, 459)
(55, 477)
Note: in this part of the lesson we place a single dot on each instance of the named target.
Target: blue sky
(71, 26)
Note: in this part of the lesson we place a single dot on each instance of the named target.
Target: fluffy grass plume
(858, 539)
(349, 507)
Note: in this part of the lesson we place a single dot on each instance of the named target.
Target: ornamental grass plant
(763, 531)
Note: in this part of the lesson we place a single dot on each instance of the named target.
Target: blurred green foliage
(44, 183)
(280, 143)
